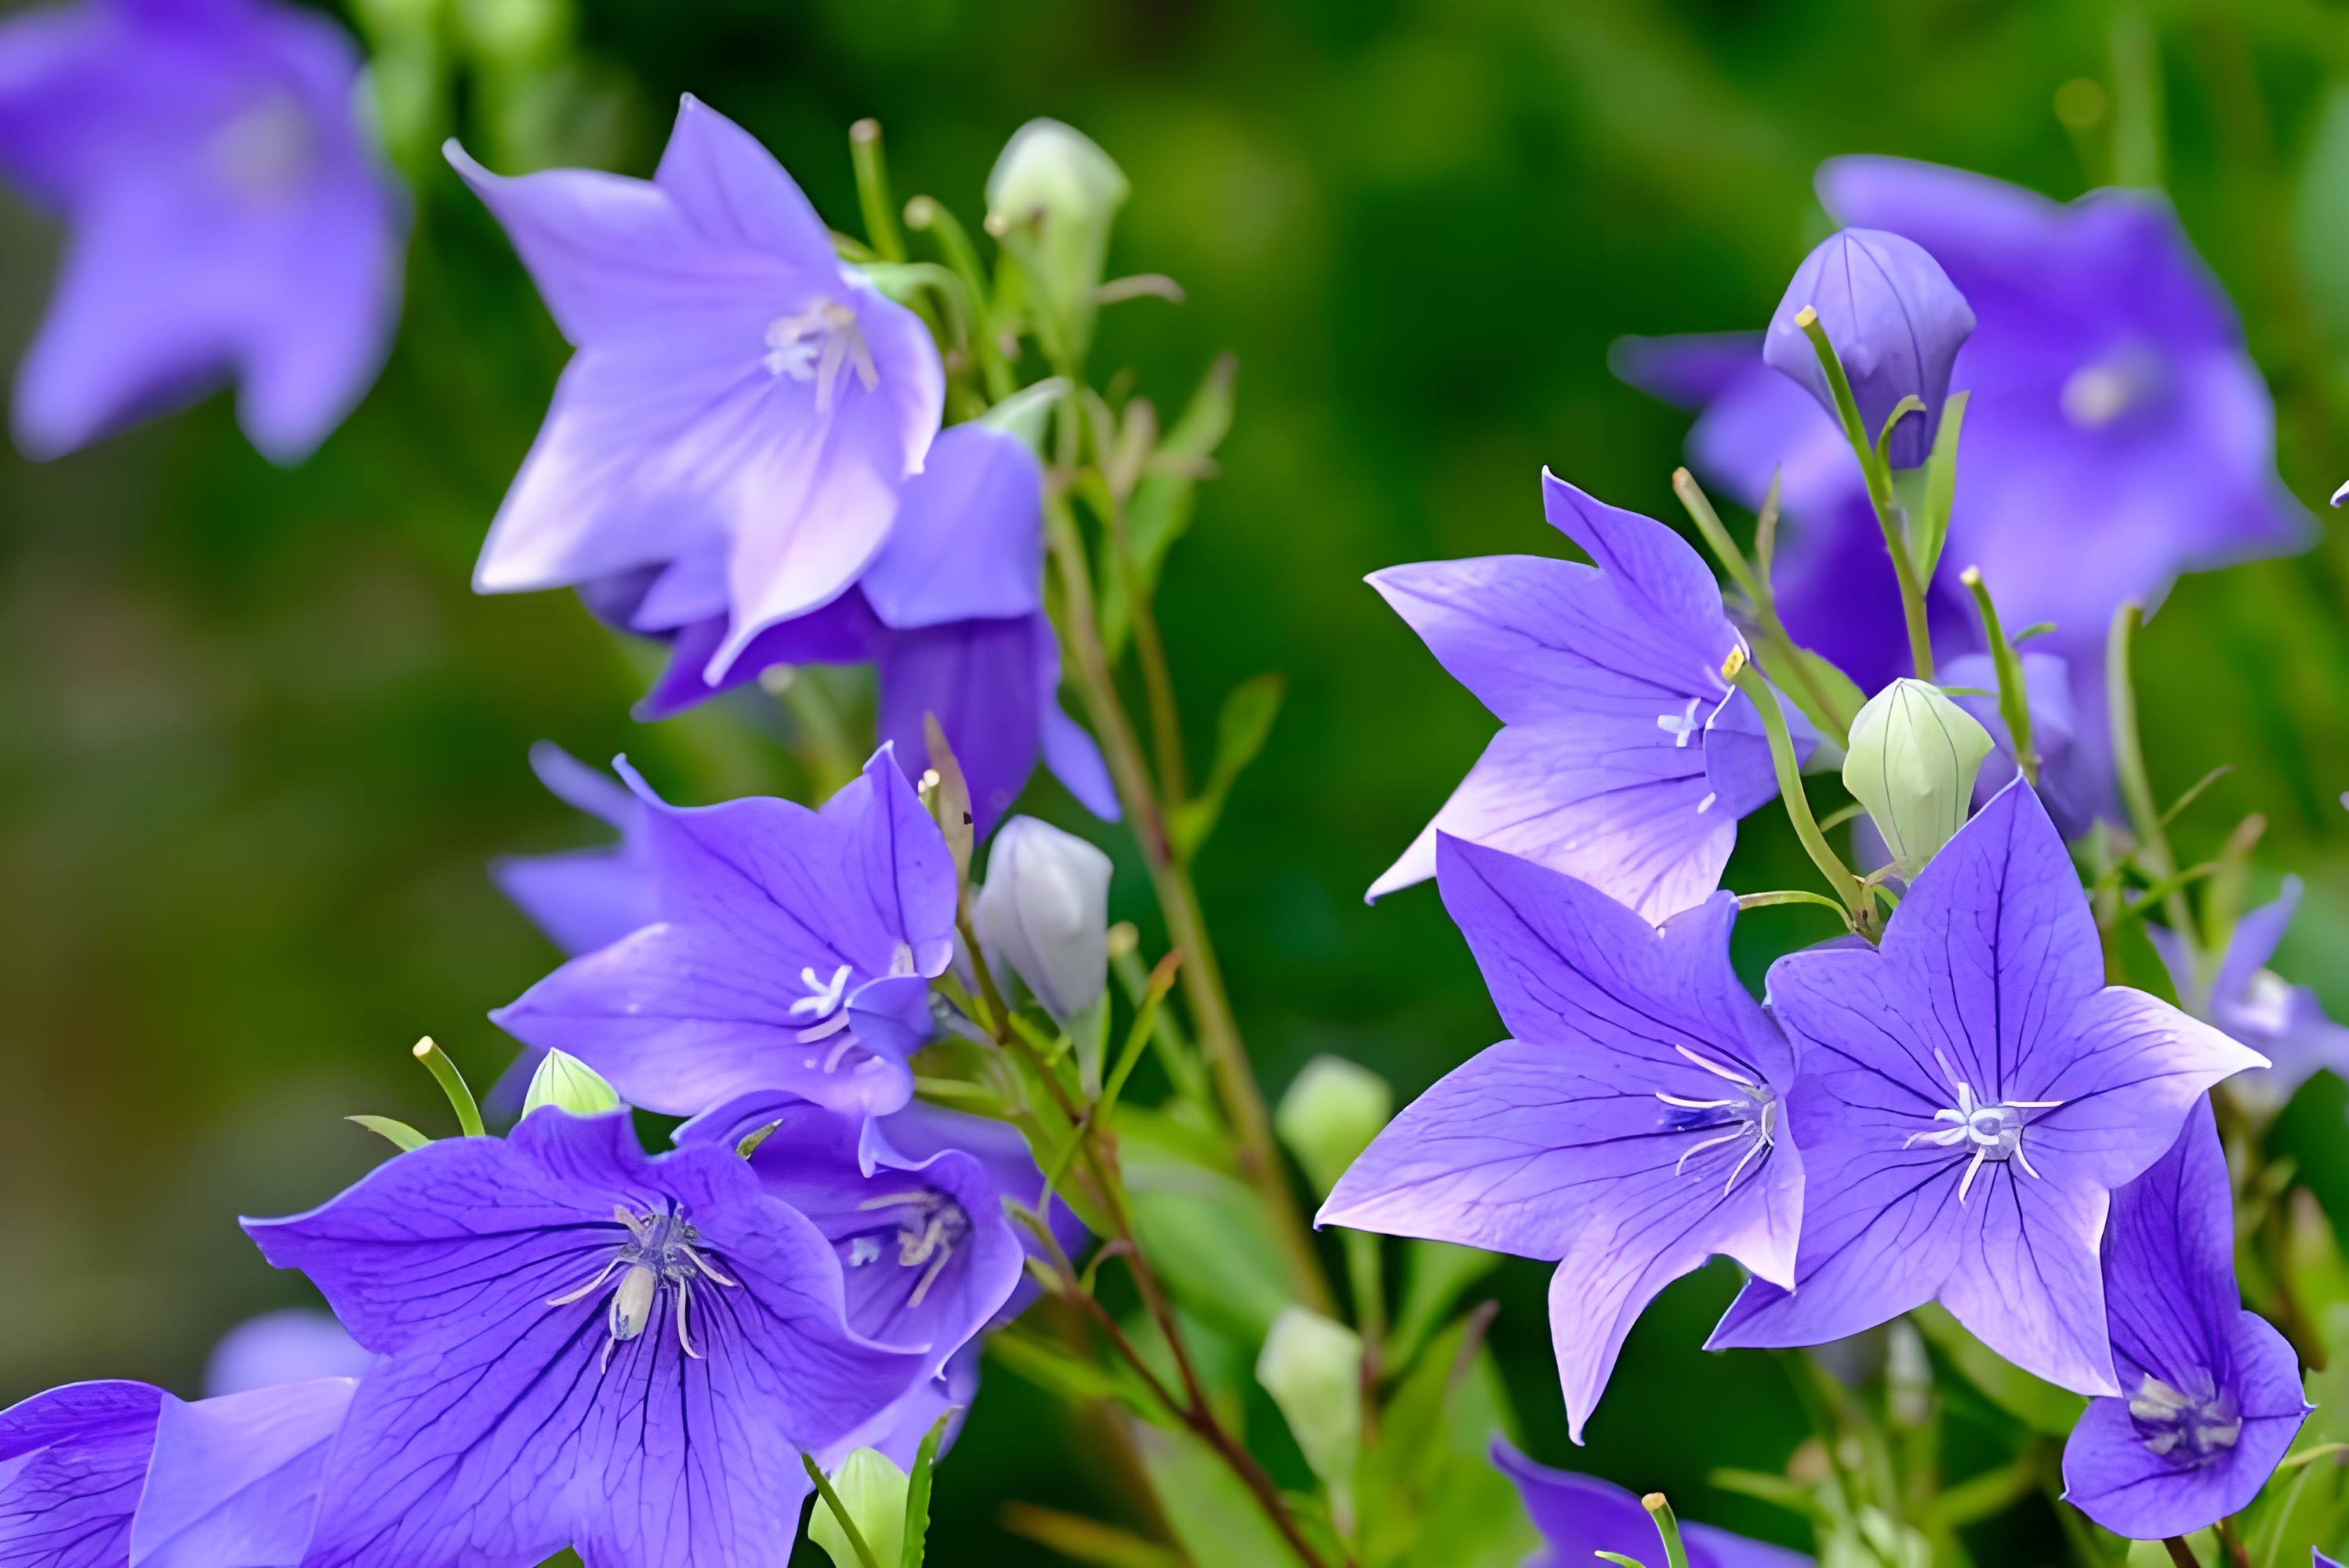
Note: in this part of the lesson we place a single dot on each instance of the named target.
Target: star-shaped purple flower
(793, 950)
(2210, 1395)
(1632, 1129)
(229, 217)
(1580, 1515)
(580, 1347)
(2281, 1021)
(742, 404)
(1624, 758)
(1972, 1093)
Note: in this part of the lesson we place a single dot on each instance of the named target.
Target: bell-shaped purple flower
(743, 408)
(793, 950)
(1625, 759)
(1580, 1516)
(2211, 1397)
(1632, 1128)
(1972, 1093)
(229, 217)
(2283, 1022)
(1895, 322)
(579, 1345)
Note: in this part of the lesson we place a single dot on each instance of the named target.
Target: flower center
(1992, 1128)
(657, 1256)
(2194, 1428)
(1748, 1115)
(2103, 390)
(927, 1227)
(818, 346)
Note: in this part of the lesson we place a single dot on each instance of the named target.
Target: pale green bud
(1052, 200)
(1329, 1115)
(1312, 1368)
(565, 1081)
(1914, 757)
(873, 1488)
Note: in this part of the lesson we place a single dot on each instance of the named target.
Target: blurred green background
(260, 738)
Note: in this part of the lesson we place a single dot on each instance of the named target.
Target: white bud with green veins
(1912, 761)
(1051, 200)
(565, 1081)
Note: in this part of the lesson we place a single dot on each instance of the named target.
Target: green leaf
(1437, 1274)
(2131, 959)
(402, 1136)
(1815, 680)
(2320, 219)
(1088, 1539)
(1240, 733)
(918, 1494)
(1431, 1497)
(2042, 1407)
(1312, 1368)
(1052, 1368)
(871, 1490)
(1215, 1518)
(1204, 1228)
(1161, 508)
(1929, 530)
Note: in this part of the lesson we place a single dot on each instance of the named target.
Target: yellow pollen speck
(1732, 664)
(1805, 317)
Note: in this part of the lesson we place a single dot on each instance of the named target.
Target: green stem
(924, 214)
(2013, 698)
(872, 190)
(2136, 788)
(1880, 494)
(2179, 1553)
(1755, 585)
(1791, 895)
(452, 1084)
(824, 1486)
(1790, 786)
(1659, 1510)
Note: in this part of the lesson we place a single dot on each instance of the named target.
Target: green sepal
(403, 1136)
(1929, 530)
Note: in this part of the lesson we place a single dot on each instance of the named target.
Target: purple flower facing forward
(102, 1475)
(1972, 1093)
(2210, 1395)
(743, 408)
(1632, 1129)
(950, 614)
(1580, 1516)
(1624, 758)
(229, 217)
(2283, 1022)
(1896, 323)
(580, 1347)
(792, 951)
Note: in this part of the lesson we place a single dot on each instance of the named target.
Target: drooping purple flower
(101, 1475)
(2283, 1022)
(580, 1345)
(295, 1344)
(1580, 1516)
(1896, 323)
(2075, 782)
(1625, 759)
(950, 614)
(229, 217)
(2210, 1395)
(743, 408)
(1972, 1093)
(583, 898)
(793, 950)
(1632, 1129)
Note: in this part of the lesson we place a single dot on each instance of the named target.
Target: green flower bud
(1312, 1368)
(873, 1488)
(1329, 1115)
(1051, 200)
(564, 1080)
(1914, 757)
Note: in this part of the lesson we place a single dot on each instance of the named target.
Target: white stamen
(816, 344)
(1992, 1128)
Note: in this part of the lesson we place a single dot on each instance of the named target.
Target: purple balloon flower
(101, 1475)
(2210, 1393)
(793, 950)
(743, 408)
(2283, 1022)
(230, 216)
(1624, 758)
(1631, 1128)
(1972, 1093)
(580, 1345)
(1896, 323)
(1580, 1516)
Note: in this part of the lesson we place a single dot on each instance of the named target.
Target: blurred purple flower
(297, 1345)
(229, 217)
(583, 898)
(1580, 1516)
(2116, 435)
(2210, 1395)
(2076, 783)
(1624, 758)
(793, 950)
(1972, 1093)
(1896, 323)
(99, 1475)
(580, 1347)
(2283, 1022)
(743, 406)
(1631, 1128)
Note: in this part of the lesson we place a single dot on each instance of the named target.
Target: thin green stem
(1668, 1527)
(452, 1084)
(872, 190)
(839, 1515)
(2136, 788)
(926, 214)
(2013, 699)
(1784, 655)
(1790, 895)
(1790, 786)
